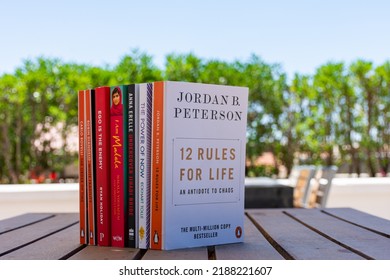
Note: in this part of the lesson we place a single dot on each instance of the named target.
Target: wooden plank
(53, 247)
(106, 253)
(362, 219)
(21, 221)
(362, 241)
(255, 247)
(295, 240)
(21, 237)
(200, 253)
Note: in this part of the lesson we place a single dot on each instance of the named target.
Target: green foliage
(38, 110)
(135, 68)
(338, 115)
(261, 171)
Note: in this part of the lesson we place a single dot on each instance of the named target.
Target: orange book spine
(156, 210)
(82, 169)
(90, 167)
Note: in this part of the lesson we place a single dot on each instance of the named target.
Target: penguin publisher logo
(238, 232)
(156, 238)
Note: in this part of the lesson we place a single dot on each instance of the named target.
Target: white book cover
(204, 139)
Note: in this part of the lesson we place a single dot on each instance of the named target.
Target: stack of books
(162, 165)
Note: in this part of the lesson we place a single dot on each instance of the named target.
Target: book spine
(125, 192)
(131, 150)
(82, 169)
(156, 207)
(136, 164)
(102, 151)
(90, 166)
(145, 92)
(149, 120)
(118, 167)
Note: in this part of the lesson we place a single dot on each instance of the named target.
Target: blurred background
(318, 74)
(340, 115)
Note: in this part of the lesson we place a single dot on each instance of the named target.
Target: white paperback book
(202, 154)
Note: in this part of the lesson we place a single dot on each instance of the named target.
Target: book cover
(102, 152)
(82, 169)
(90, 151)
(198, 162)
(144, 140)
(132, 130)
(119, 178)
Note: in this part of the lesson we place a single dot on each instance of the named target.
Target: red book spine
(82, 169)
(117, 168)
(89, 105)
(102, 151)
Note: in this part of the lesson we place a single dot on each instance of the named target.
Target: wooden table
(271, 234)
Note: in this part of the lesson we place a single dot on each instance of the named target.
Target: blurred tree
(45, 108)
(382, 75)
(9, 104)
(186, 68)
(266, 85)
(367, 86)
(325, 110)
(136, 67)
(297, 139)
(349, 129)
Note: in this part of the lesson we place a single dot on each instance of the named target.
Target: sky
(298, 35)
